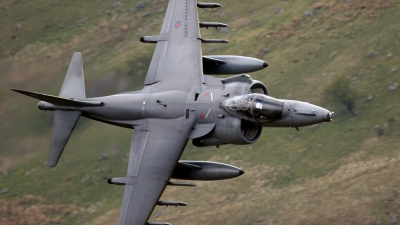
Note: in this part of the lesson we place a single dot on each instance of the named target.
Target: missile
(231, 64)
(204, 170)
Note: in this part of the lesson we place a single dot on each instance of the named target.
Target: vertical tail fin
(64, 121)
(74, 84)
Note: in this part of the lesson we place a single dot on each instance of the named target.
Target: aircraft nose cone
(330, 116)
(305, 114)
(325, 114)
(265, 64)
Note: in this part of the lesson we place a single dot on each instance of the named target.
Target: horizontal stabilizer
(63, 124)
(58, 100)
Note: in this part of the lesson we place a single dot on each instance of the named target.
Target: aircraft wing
(158, 144)
(177, 59)
(155, 149)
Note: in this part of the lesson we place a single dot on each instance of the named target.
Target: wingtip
(20, 91)
(52, 163)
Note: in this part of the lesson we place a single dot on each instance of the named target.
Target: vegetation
(345, 172)
(341, 90)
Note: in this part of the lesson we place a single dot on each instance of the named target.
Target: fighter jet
(178, 103)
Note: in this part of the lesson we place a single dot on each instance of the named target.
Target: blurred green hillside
(345, 172)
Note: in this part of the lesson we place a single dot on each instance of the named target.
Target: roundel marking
(177, 24)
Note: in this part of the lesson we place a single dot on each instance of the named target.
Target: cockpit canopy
(254, 107)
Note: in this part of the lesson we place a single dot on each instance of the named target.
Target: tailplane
(60, 101)
(72, 94)
(64, 121)
(63, 125)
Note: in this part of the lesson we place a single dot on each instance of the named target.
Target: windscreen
(254, 107)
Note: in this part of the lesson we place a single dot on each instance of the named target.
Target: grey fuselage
(128, 109)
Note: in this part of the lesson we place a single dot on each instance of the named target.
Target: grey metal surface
(56, 100)
(209, 171)
(187, 165)
(202, 129)
(232, 64)
(63, 124)
(178, 60)
(74, 84)
(155, 149)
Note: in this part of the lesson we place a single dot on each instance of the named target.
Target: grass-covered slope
(345, 172)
